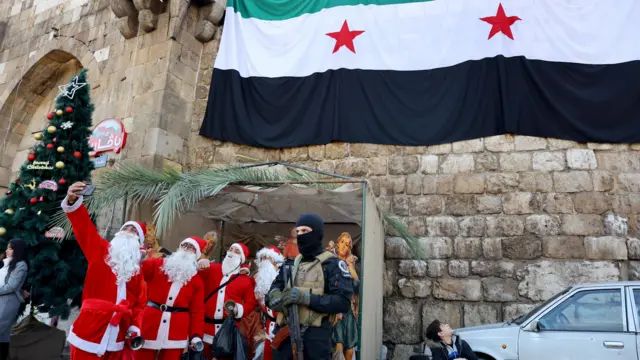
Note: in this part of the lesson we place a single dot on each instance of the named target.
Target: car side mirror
(533, 327)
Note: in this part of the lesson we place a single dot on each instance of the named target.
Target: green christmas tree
(59, 158)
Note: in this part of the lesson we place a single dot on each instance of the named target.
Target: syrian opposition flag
(414, 72)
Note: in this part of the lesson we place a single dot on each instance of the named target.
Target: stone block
(573, 181)
(458, 268)
(472, 226)
(336, 150)
(501, 183)
(389, 277)
(414, 184)
(492, 248)
(592, 202)
(563, 247)
(403, 165)
(629, 182)
(520, 203)
(397, 248)
(391, 185)
(618, 162)
(634, 270)
(542, 225)
(527, 143)
(585, 225)
(417, 226)
(468, 184)
(402, 352)
(376, 166)
(521, 247)
(362, 150)
(436, 268)
(400, 323)
(487, 204)
(429, 164)
(426, 205)
(633, 248)
(499, 290)
(457, 163)
(616, 225)
(599, 146)
(544, 279)
(352, 167)
(549, 161)
(468, 146)
(294, 154)
(480, 314)
(437, 247)
(487, 162)
(499, 143)
(443, 311)
(558, 204)
(439, 149)
(602, 180)
(327, 166)
(502, 269)
(458, 289)
(535, 182)
(581, 159)
(504, 226)
(606, 248)
(467, 248)
(442, 226)
(414, 288)
(512, 311)
(460, 205)
(400, 205)
(160, 142)
(626, 203)
(412, 268)
(515, 162)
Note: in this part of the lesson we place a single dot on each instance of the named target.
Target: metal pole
(358, 181)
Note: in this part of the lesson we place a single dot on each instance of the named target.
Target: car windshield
(522, 318)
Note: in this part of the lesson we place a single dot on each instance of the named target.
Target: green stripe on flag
(288, 9)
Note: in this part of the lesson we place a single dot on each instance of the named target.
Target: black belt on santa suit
(165, 308)
(214, 321)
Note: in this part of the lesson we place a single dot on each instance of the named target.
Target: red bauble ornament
(69, 109)
(62, 181)
(50, 146)
(33, 200)
(77, 155)
(31, 157)
(9, 193)
(50, 116)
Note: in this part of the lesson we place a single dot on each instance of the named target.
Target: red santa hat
(272, 253)
(245, 268)
(244, 251)
(141, 228)
(197, 243)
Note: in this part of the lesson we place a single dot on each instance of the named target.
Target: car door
(634, 310)
(590, 324)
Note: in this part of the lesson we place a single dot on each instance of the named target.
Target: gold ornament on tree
(51, 129)
(9, 211)
(60, 149)
(59, 165)
(37, 136)
(59, 112)
(3, 231)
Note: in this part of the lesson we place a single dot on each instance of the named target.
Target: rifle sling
(220, 287)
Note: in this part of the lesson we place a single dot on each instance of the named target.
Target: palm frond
(402, 231)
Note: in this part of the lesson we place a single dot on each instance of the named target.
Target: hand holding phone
(87, 191)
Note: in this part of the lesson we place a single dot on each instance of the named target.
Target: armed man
(316, 284)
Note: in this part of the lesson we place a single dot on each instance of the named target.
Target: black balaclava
(310, 244)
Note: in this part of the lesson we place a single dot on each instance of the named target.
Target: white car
(583, 322)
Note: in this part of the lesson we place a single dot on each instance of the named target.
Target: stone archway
(24, 96)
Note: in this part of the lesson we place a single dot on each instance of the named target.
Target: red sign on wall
(108, 135)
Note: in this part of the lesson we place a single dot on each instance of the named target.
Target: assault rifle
(293, 321)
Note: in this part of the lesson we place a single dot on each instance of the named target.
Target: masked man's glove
(296, 296)
(275, 302)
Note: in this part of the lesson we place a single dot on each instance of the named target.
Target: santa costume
(174, 316)
(114, 292)
(268, 260)
(229, 284)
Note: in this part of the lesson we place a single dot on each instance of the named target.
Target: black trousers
(4, 351)
(317, 345)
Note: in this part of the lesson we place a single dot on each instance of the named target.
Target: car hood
(483, 328)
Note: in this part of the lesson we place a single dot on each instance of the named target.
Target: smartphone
(87, 191)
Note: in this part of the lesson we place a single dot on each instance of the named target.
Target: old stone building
(507, 221)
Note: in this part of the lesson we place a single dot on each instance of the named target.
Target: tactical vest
(309, 277)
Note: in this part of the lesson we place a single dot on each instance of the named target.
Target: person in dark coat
(13, 272)
(444, 345)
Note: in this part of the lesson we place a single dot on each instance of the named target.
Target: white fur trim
(71, 208)
(219, 314)
(242, 256)
(259, 351)
(138, 229)
(278, 258)
(208, 339)
(134, 330)
(195, 340)
(239, 310)
(162, 339)
(194, 244)
(168, 344)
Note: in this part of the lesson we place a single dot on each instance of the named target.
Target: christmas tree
(59, 158)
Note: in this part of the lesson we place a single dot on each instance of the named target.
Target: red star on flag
(500, 23)
(345, 37)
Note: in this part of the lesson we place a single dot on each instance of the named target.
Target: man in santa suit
(114, 291)
(224, 282)
(174, 316)
(268, 260)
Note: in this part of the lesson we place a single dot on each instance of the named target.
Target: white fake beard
(267, 273)
(180, 266)
(124, 256)
(230, 263)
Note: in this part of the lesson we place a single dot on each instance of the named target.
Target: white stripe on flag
(430, 35)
